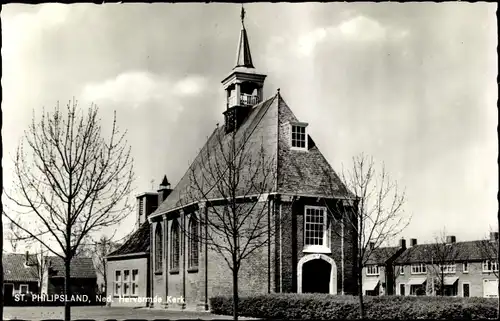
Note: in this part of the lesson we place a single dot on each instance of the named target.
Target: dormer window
(298, 136)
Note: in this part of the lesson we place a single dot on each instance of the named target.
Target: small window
(448, 268)
(158, 248)
(299, 136)
(118, 283)
(466, 267)
(126, 284)
(420, 268)
(23, 288)
(490, 266)
(134, 284)
(402, 270)
(372, 270)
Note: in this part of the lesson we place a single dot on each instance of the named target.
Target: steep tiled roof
(298, 172)
(137, 243)
(459, 251)
(81, 267)
(382, 254)
(16, 270)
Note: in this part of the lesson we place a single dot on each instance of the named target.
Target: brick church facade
(306, 251)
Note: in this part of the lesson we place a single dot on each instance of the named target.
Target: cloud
(359, 29)
(140, 89)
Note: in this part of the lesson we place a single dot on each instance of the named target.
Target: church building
(306, 250)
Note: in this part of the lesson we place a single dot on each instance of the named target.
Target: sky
(411, 84)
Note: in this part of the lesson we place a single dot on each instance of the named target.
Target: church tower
(244, 85)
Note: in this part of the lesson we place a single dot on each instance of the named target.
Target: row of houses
(447, 267)
(25, 274)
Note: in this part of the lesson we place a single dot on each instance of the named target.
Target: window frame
(490, 266)
(291, 129)
(369, 270)
(465, 267)
(448, 268)
(117, 284)
(158, 254)
(134, 284)
(26, 286)
(422, 268)
(401, 270)
(315, 248)
(193, 244)
(175, 248)
(126, 283)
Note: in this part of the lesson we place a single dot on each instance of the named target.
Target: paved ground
(105, 313)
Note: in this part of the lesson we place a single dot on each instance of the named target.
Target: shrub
(328, 307)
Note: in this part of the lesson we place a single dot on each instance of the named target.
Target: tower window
(298, 136)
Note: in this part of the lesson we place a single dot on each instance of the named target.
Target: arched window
(193, 242)
(174, 246)
(158, 248)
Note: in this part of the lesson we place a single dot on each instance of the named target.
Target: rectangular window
(118, 283)
(126, 282)
(299, 137)
(419, 268)
(141, 206)
(448, 268)
(402, 270)
(466, 267)
(490, 266)
(316, 232)
(135, 285)
(23, 288)
(372, 270)
(417, 289)
(402, 289)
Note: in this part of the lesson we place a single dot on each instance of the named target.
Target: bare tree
(98, 251)
(373, 217)
(237, 173)
(70, 181)
(13, 237)
(441, 254)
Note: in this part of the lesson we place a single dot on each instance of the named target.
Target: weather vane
(242, 14)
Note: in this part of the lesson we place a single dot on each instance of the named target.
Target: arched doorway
(317, 273)
(316, 276)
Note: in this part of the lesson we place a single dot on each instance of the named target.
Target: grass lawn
(105, 313)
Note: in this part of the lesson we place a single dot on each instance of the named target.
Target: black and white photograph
(250, 161)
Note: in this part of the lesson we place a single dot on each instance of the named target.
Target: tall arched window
(158, 248)
(174, 246)
(193, 242)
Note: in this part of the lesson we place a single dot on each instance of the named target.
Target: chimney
(494, 236)
(402, 243)
(413, 242)
(451, 239)
(372, 245)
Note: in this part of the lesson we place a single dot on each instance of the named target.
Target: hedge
(329, 307)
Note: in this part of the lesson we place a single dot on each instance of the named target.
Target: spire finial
(242, 15)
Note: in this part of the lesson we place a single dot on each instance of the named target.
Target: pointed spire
(165, 182)
(243, 56)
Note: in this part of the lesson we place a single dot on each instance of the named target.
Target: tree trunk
(360, 295)
(235, 294)
(67, 291)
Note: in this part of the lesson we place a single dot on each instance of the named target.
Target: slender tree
(440, 256)
(371, 217)
(70, 181)
(239, 174)
(98, 251)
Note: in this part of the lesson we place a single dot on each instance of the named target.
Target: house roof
(264, 131)
(81, 267)
(459, 251)
(382, 254)
(138, 242)
(15, 269)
